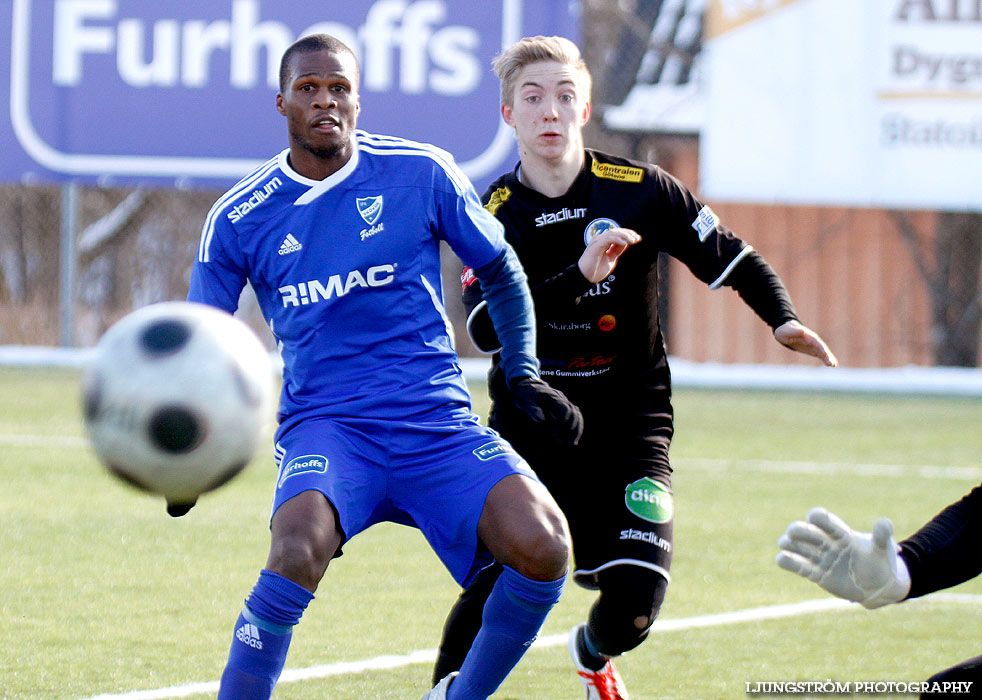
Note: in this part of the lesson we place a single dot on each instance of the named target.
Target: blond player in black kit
(573, 215)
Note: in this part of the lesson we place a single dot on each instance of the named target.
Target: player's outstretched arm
(802, 339)
(864, 567)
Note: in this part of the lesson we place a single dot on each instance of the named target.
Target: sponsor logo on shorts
(649, 537)
(307, 464)
(489, 450)
(649, 500)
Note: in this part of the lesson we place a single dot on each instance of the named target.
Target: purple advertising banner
(183, 92)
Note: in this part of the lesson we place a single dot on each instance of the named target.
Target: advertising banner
(839, 102)
(183, 91)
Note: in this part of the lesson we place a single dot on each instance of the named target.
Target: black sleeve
(716, 255)
(690, 231)
(948, 549)
(509, 304)
(471, 291)
(480, 328)
(762, 290)
(566, 287)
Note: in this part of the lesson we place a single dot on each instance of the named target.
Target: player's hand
(802, 339)
(176, 510)
(549, 409)
(603, 251)
(864, 567)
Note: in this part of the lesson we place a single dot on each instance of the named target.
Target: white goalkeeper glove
(860, 566)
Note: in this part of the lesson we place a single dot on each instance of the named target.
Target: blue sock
(513, 616)
(262, 638)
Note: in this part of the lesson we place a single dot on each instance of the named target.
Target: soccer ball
(176, 399)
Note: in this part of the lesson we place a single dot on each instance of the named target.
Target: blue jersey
(347, 273)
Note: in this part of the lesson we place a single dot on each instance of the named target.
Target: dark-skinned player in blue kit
(375, 422)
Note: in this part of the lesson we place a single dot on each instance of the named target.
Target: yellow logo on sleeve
(498, 197)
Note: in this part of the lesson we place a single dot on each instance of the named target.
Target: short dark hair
(307, 44)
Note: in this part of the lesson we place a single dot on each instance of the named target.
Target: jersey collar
(317, 187)
(577, 184)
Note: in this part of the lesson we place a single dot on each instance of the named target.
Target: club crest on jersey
(370, 208)
(596, 227)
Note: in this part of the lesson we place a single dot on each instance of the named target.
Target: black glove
(548, 409)
(176, 510)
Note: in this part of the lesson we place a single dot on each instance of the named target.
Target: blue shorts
(433, 475)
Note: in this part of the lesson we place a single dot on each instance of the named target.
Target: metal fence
(75, 259)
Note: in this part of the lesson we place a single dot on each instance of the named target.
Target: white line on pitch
(832, 468)
(381, 663)
(756, 465)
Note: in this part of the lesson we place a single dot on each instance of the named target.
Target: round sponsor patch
(649, 500)
(607, 322)
(596, 227)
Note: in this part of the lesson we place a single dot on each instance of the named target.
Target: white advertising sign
(844, 103)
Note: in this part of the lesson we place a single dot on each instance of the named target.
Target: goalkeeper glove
(864, 567)
(549, 409)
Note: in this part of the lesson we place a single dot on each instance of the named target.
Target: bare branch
(102, 232)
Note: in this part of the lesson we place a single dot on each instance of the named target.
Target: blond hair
(533, 49)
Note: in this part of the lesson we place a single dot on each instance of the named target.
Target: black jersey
(947, 550)
(602, 343)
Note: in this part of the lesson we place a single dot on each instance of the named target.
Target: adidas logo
(290, 245)
(249, 634)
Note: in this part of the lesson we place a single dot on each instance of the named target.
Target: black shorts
(615, 488)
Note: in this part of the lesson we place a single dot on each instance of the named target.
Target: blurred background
(843, 140)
